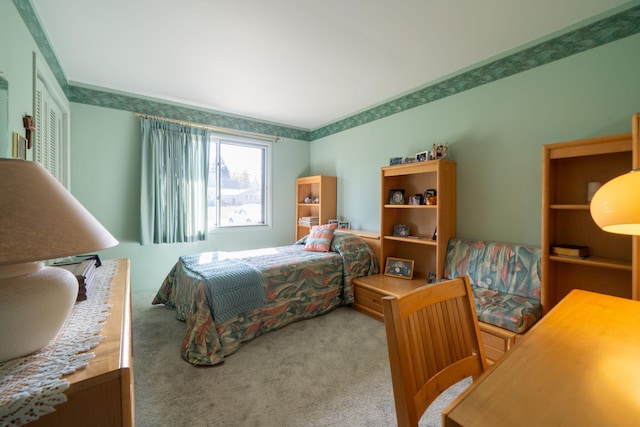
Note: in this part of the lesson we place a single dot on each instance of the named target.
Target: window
(238, 180)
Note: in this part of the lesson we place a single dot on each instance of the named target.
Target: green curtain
(175, 167)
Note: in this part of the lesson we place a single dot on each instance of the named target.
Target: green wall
(16, 63)
(495, 134)
(105, 176)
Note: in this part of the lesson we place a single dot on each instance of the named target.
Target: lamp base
(35, 302)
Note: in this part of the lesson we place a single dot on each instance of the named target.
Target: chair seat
(508, 311)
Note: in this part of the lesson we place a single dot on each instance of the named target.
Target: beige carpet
(329, 371)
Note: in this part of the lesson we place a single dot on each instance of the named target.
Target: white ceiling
(301, 63)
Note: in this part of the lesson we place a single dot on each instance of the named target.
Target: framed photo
(396, 197)
(422, 156)
(333, 221)
(401, 230)
(19, 146)
(416, 199)
(398, 267)
(344, 225)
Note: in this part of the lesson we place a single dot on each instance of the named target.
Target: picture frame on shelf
(430, 197)
(401, 230)
(416, 199)
(399, 267)
(396, 197)
(344, 225)
(333, 221)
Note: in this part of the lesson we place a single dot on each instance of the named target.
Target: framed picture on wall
(19, 146)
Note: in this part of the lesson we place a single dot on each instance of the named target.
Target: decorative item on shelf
(395, 161)
(333, 221)
(435, 235)
(432, 278)
(399, 267)
(40, 220)
(592, 187)
(427, 194)
(570, 250)
(308, 199)
(316, 200)
(440, 152)
(416, 199)
(615, 207)
(396, 197)
(423, 156)
(401, 230)
(408, 159)
(344, 225)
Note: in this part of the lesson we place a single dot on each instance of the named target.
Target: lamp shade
(40, 219)
(616, 205)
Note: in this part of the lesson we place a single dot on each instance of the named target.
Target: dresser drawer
(369, 299)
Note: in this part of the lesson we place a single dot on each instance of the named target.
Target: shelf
(410, 206)
(567, 169)
(322, 187)
(415, 240)
(594, 262)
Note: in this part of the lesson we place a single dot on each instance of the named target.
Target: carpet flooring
(329, 371)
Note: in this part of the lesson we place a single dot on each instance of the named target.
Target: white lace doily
(30, 386)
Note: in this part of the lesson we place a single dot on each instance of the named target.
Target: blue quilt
(232, 286)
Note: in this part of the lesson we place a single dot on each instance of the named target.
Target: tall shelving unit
(612, 265)
(322, 187)
(423, 220)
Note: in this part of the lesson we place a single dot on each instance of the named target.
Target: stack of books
(85, 272)
(309, 220)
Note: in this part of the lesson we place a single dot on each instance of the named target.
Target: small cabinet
(612, 261)
(315, 202)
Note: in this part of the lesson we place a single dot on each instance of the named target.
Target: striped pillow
(320, 238)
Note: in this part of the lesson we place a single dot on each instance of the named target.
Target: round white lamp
(39, 220)
(616, 205)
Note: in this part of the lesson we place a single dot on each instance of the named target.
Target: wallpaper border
(606, 30)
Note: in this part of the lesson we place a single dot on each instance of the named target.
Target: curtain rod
(213, 128)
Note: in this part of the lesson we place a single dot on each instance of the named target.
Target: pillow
(320, 237)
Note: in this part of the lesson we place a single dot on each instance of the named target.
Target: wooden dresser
(101, 394)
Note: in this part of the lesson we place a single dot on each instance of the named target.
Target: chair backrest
(434, 342)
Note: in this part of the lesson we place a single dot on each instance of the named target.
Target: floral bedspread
(297, 285)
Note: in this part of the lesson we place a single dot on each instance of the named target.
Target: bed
(271, 288)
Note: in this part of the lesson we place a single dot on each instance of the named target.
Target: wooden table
(578, 366)
(101, 394)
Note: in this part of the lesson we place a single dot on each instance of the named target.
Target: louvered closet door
(48, 142)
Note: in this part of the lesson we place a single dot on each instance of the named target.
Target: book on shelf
(309, 220)
(570, 251)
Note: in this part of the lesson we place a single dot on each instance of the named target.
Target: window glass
(236, 193)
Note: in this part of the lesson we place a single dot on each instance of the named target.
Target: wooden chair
(434, 341)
